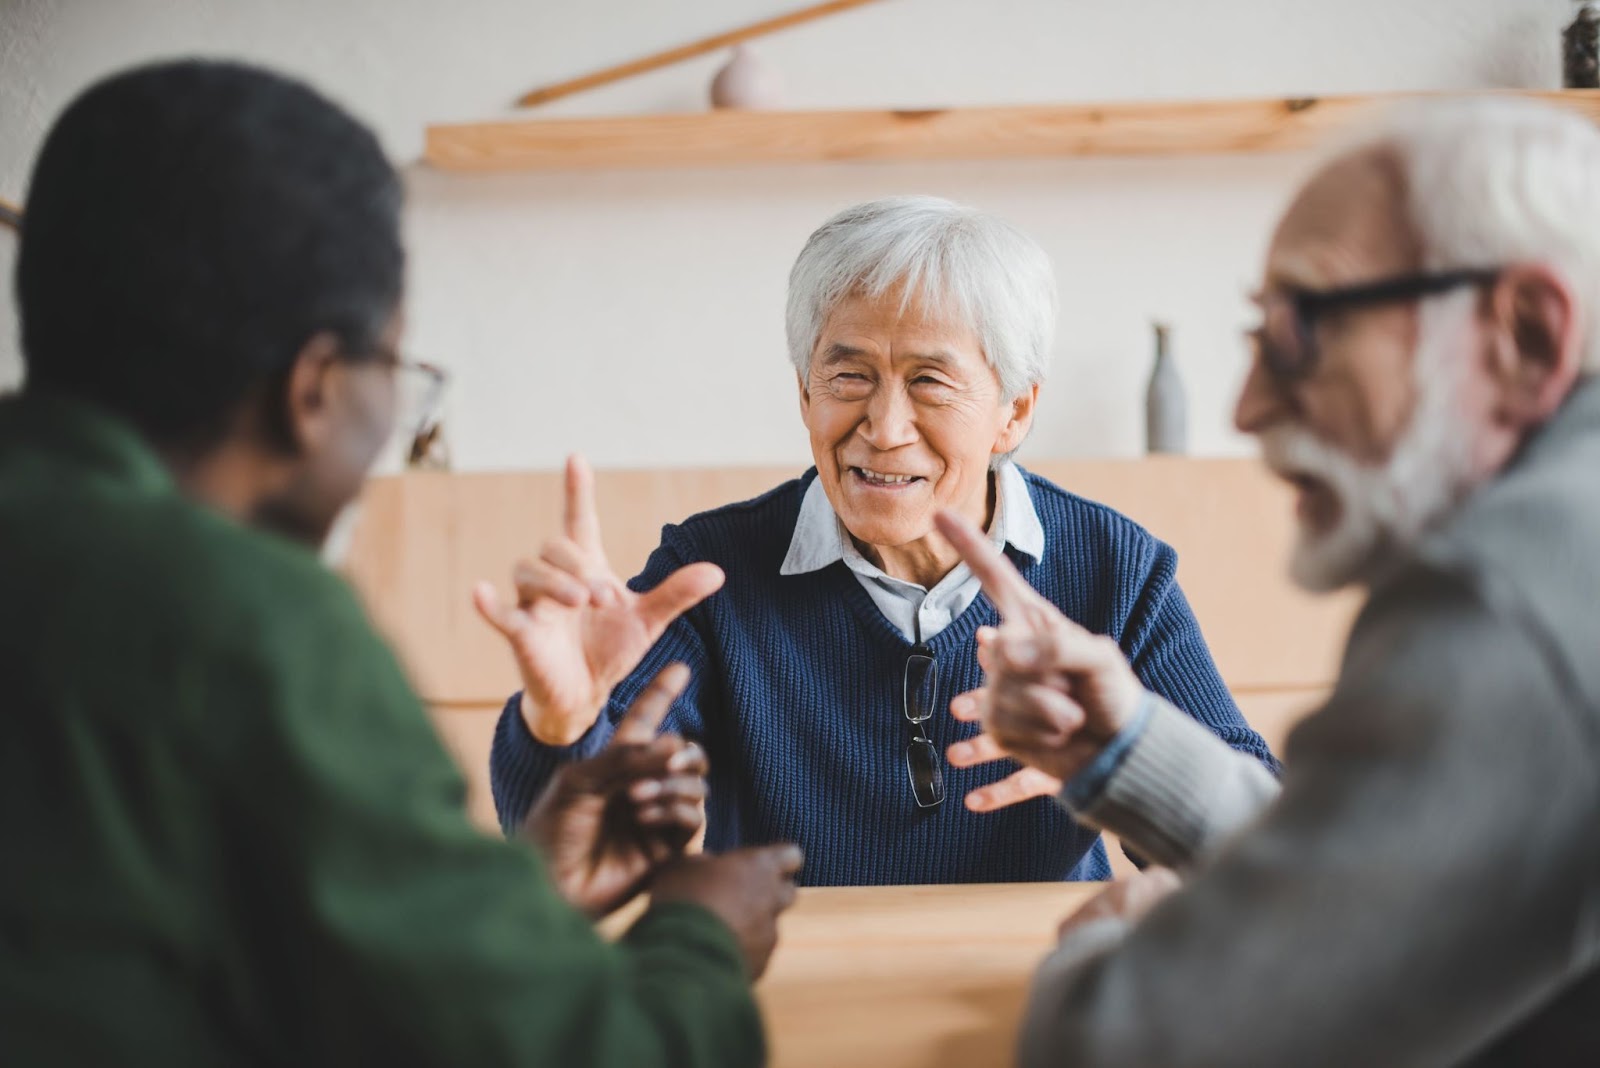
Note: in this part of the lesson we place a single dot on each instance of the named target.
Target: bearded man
(1424, 886)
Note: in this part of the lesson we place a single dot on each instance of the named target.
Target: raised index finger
(1001, 581)
(582, 520)
(644, 716)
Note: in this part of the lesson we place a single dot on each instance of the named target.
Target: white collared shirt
(917, 613)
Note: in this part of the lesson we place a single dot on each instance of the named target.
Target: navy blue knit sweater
(796, 697)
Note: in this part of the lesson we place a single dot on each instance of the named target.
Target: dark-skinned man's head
(212, 254)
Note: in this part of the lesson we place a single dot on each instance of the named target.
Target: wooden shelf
(720, 138)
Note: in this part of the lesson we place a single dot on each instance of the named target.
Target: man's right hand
(746, 889)
(576, 629)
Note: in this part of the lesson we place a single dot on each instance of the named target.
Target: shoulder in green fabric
(110, 561)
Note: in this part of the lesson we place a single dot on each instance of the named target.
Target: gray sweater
(1425, 888)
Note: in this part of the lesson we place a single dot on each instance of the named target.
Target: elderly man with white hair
(919, 331)
(1425, 886)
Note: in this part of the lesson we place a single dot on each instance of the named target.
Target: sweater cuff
(524, 765)
(1153, 800)
(1085, 787)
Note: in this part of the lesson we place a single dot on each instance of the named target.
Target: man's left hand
(605, 825)
(1126, 899)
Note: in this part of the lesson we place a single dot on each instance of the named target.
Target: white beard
(1382, 510)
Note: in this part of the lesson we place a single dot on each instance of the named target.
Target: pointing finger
(1001, 581)
(582, 519)
(645, 715)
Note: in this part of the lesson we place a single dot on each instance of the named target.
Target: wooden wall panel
(467, 734)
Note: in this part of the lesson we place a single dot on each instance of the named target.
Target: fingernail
(683, 758)
(644, 791)
(958, 751)
(602, 593)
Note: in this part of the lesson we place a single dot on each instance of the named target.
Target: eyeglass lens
(1286, 344)
(417, 403)
(926, 772)
(923, 766)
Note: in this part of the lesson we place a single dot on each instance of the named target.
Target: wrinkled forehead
(1347, 225)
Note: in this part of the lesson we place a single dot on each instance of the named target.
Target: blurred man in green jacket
(229, 834)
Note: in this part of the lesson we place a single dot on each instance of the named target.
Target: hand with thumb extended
(576, 630)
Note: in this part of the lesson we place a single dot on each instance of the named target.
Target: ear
(805, 397)
(1536, 342)
(306, 411)
(1019, 421)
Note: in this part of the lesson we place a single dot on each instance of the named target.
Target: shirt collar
(820, 539)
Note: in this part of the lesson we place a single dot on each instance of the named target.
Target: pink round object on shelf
(746, 81)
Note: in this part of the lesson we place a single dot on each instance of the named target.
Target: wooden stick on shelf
(695, 48)
(10, 215)
(724, 138)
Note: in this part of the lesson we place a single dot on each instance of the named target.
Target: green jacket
(229, 834)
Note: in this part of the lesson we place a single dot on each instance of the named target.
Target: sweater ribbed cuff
(524, 765)
(1152, 802)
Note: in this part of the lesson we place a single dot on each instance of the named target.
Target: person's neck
(930, 558)
(230, 478)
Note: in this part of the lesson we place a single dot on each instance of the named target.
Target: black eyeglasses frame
(1291, 364)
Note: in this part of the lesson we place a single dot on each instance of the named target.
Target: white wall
(638, 316)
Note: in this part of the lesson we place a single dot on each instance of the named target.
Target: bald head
(1348, 224)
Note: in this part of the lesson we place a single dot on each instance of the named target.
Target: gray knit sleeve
(1179, 791)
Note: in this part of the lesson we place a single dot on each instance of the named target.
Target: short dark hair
(189, 227)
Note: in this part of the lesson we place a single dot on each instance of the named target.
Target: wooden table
(909, 976)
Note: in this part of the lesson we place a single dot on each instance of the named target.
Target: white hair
(1493, 182)
(961, 261)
